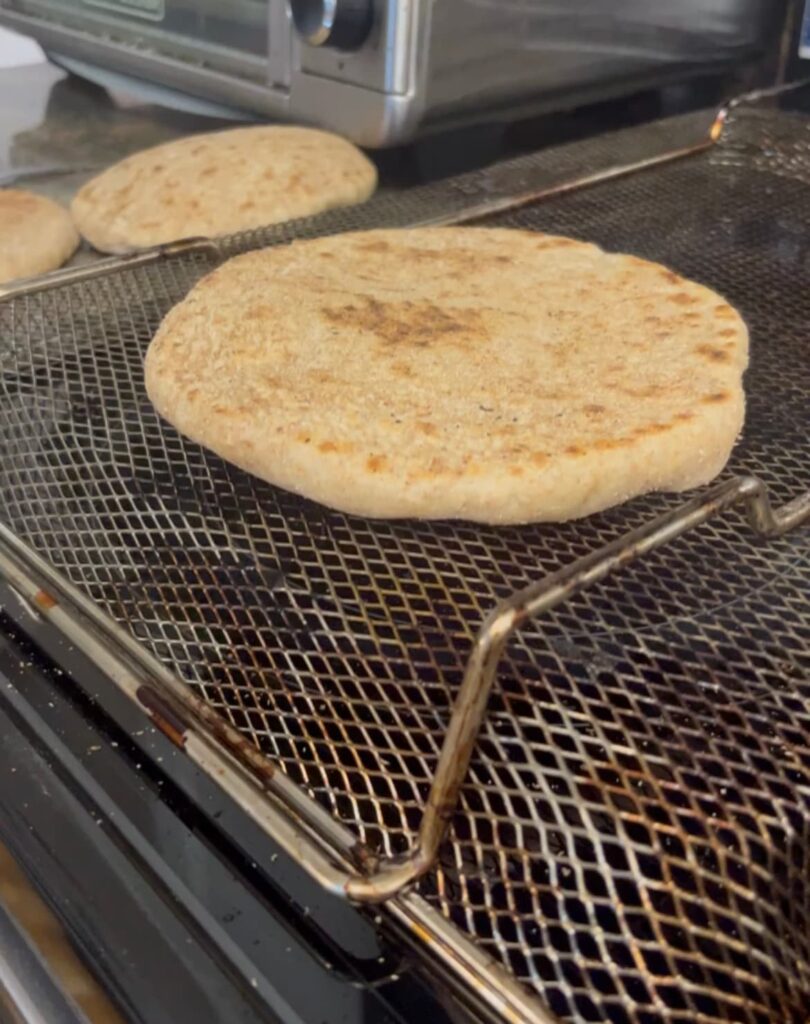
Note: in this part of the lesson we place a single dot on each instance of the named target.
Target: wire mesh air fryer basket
(632, 842)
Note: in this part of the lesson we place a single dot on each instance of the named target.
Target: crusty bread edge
(590, 482)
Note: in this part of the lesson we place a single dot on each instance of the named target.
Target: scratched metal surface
(634, 834)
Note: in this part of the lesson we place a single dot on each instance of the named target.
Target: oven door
(232, 38)
(138, 885)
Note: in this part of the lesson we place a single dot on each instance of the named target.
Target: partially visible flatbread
(220, 183)
(36, 234)
(484, 374)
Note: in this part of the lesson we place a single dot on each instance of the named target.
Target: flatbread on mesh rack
(486, 374)
(220, 183)
(36, 234)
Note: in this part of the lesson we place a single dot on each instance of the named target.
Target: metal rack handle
(523, 606)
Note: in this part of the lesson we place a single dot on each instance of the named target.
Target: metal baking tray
(630, 839)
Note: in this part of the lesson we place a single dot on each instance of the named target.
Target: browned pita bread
(220, 183)
(36, 234)
(491, 375)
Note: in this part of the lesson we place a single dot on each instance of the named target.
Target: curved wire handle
(471, 703)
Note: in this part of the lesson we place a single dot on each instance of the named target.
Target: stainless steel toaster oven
(382, 71)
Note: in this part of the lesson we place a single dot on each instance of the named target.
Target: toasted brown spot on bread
(714, 353)
(259, 312)
(407, 322)
(557, 243)
(375, 463)
(716, 398)
(647, 391)
(376, 245)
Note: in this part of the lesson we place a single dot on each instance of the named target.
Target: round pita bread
(485, 374)
(218, 184)
(36, 234)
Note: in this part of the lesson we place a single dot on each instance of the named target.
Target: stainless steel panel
(488, 53)
(238, 25)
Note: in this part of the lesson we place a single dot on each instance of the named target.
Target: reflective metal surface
(41, 977)
(632, 836)
(415, 65)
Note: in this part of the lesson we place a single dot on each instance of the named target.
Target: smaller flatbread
(36, 234)
(219, 184)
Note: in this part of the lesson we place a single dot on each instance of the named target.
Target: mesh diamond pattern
(634, 837)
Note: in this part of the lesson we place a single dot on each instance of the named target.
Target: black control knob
(341, 24)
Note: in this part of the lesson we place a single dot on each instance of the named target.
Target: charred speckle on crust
(556, 243)
(650, 391)
(409, 323)
(608, 444)
(258, 312)
(374, 245)
(714, 353)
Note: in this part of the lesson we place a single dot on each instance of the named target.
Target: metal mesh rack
(632, 838)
